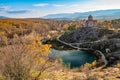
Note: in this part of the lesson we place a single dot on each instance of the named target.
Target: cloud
(18, 11)
(60, 8)
(75, 5)
(40, 5)
(4, 8)
(91, 6)
(58, 5)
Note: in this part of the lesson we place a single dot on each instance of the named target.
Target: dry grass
(16, 62)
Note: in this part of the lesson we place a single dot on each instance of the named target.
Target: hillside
(99, 14)
(22, 51)
(3, 17)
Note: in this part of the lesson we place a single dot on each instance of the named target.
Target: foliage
(17, 61)
(118, 65)
(72, 27)
(24, 57)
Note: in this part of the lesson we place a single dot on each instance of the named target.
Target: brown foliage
(16, 62)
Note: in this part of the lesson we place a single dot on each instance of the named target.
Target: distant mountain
(3, 17)
(99, 14)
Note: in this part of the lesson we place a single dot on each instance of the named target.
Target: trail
(71, 45)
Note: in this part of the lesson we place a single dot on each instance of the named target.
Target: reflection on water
(75, 58)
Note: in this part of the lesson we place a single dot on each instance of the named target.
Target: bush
(18, 61)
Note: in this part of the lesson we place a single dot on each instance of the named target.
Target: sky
(39, 8)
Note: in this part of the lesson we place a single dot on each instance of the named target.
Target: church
(90, 22)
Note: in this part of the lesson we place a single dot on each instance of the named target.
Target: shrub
(18, 61)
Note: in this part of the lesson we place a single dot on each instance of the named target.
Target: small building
(90, 22)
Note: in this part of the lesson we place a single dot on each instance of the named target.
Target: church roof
(90, 16)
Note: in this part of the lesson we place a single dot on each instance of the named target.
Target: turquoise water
(75, 58)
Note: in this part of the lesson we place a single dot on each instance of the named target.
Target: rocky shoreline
(90, 38)
(97, 53)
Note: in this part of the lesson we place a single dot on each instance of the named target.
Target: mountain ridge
(3, 17)
(99, 14)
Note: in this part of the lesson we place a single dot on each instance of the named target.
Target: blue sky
(39, 8)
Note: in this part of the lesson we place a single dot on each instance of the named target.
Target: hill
(99, 14)
(3, 17)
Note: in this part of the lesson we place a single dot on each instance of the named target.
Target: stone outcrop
(96, 39)
(90, 37)
(85, 34)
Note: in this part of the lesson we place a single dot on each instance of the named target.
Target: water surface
(74, 58)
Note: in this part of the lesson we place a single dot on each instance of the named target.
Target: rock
(85, 34)
(103, 40)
